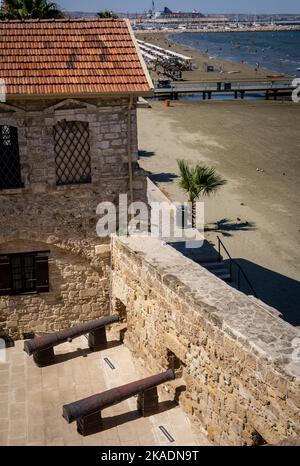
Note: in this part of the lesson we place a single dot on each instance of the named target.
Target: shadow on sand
(225, 226)
(276, 290)
(163, 177)
(145, 153)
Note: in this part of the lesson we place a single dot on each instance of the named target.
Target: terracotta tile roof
(51, 57)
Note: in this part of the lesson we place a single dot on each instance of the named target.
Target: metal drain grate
(109, 363)
(166, 434)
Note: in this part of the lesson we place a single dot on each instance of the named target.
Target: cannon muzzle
(53, 339)
(95, 403)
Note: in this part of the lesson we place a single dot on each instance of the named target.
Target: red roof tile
(51, 57)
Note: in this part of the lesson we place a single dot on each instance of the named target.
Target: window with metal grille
(24, 273)
(72, 152)
(10, 171)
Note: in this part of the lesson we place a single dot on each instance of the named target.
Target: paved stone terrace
(32, 398)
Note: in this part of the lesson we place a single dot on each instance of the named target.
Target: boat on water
(281, 75)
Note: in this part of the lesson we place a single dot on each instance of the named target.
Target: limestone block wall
(63, 219)
(238, 361)
(108, 136)
(77, 293)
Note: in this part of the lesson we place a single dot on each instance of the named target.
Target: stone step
(218, 269)
(212, 265)
(224, 275)
(233, 285)
(203, 253)
(200, 259)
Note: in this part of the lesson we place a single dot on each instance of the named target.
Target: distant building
(168, 14)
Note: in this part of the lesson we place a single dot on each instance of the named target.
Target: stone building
(68, 140)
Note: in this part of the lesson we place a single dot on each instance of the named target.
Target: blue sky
(206, 6)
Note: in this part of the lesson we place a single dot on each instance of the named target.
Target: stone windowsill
(68, 187)
(13, 191)
(92, 184)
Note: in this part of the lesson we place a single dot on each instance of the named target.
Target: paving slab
(32, 400)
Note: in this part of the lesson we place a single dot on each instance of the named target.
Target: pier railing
(230, 85)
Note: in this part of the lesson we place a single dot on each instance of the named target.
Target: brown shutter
(42, 272)
(5, 276)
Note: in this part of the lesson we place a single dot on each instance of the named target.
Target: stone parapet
(239, 361)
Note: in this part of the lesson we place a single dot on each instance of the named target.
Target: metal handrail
(239, 267)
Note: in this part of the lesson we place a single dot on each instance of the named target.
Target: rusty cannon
(42, 347)
(87, 412)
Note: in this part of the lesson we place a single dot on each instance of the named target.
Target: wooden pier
(270, 87)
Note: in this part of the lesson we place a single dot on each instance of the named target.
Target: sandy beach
(255, 146)
(240, 70)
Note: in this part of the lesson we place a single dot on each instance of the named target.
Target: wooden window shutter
(5, 276)
(42, 272)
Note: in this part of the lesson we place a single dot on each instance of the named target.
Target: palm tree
(198, 180)
(30, 9)
(106, 14)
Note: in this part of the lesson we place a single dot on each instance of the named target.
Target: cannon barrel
(56, 338)
(94, 403)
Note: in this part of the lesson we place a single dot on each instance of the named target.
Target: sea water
(278, 51)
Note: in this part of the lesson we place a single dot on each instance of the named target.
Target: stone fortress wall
(62, 219)
(237, 363)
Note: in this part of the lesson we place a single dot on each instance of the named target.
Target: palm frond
(30, 9)
(200, 179)
(207, 179)
(186, 181)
